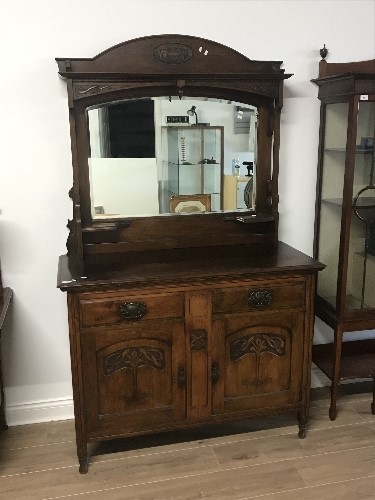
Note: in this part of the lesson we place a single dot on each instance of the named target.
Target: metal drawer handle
(132, 311)
(260, 298)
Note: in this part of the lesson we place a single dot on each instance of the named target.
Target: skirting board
(39, 411)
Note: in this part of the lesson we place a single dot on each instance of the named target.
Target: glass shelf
(188, 152)
(365, 203)
(343, 150)
(194, 164)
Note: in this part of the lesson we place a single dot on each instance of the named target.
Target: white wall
(35, 171)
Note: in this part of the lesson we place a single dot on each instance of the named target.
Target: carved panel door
(257, 360)
(134, 376)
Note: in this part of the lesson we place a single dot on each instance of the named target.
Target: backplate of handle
(132, 311)
(260, 298)
(181, 377)
(215, 372)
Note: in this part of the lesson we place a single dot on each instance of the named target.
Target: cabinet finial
(323, 52)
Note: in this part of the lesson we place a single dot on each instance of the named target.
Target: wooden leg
(3, 422)
(83, 465)
(373, 400)
(302, 423)
(82, 454)
(336, 372)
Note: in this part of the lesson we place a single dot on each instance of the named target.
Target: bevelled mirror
(163, 155)
(175, 143)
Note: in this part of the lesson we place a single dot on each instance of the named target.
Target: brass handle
(215, 372)
(132, 311)
(181, 377)
(260, 298)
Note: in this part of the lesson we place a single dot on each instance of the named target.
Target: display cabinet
(194, 162)
(179, 319)
(345, 220)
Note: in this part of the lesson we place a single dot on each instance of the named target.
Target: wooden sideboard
(177, 320)
(176, 344)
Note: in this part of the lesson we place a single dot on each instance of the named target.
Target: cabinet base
(201, 434)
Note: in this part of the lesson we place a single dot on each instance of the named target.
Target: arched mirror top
(173, 55)
(186, 89)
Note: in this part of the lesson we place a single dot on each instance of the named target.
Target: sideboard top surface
(186, 269)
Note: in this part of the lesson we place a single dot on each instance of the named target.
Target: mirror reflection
(166, 155)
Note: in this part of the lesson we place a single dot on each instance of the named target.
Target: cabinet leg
(83, 465)
(302, 424)
(3, 422)
(336, 372)
(332, 412)
(82, 455)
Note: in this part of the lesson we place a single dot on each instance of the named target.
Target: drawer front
(129, 308)
(262, 296)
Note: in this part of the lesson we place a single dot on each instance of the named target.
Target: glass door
(332, 186)
(361, 262)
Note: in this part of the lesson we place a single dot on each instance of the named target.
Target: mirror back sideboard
(182, 319)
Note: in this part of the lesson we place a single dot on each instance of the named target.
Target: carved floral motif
(133, 358)
(173, 53)
(257, 344)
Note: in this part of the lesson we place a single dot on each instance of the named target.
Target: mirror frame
(182, 65)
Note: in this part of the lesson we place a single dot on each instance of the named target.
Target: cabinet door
(133, 376)
(257, 361)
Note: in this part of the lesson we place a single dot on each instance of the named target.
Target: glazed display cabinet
(194, 161)
(345, 220)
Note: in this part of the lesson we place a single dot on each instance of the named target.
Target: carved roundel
(173, 53)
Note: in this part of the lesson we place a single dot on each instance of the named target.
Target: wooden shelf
(357, 359)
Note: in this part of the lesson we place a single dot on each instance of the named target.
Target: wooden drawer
(129, 308)
(260, 296)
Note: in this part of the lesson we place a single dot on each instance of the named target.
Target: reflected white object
(126, 186)
(190, 206)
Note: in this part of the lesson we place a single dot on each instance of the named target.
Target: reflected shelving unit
(345, 220)
(193, 161)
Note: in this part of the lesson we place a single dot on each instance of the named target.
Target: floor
(261, 458)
